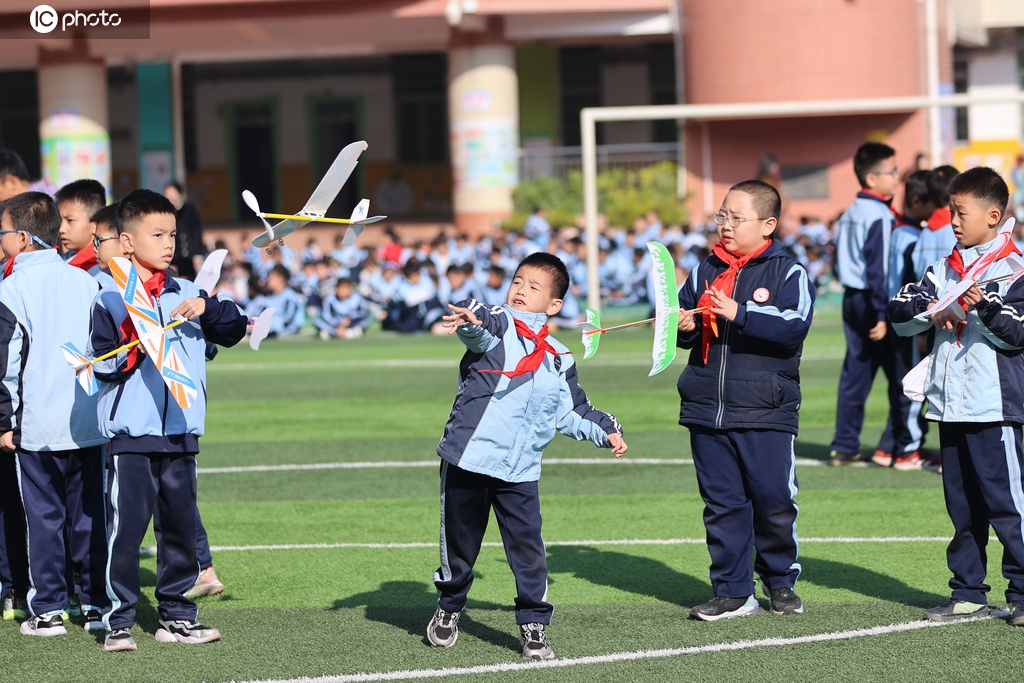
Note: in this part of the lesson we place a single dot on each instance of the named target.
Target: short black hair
(867, 158)
(36, 214)
(767, 200)
(497, 270)
(553, 266)
(938, 184)
(983, 184)
(138, 204)
(918, 186)
(87, 193)
(411, 266)
(282, 271)
(176, 185)
(106, 216)
(11, 164)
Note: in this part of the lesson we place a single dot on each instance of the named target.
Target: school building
(459, 99)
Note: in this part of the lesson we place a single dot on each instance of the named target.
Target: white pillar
(483, 113)
(73, 128)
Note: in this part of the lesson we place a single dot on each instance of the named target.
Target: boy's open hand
(686, 321)
(459, 316)
(878, 332)
(190, 308)
(618, 444)
(943, 320)
(7, 441)
(723, 305)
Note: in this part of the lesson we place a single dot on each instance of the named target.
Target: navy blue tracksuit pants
(466, 502)
(981, 479)
(747, 479)
(138, 486)
(13, 551)
(908, 435)
(863, 358)
(203, 553)
(63, 492)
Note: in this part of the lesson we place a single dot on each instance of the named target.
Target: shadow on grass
(811, 451)
(409, 605)
(831, 574)
(640, 575)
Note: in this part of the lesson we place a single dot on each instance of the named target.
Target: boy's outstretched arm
(478, 326)
(786, 323)
(911, 300)
(582, 421)
(223, 324)
(11, 336)
(1002, 317)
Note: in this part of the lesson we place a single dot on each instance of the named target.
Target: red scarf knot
(532, 360)
(725, 282)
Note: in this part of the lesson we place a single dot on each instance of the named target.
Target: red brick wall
(737, 146)
(771, 50)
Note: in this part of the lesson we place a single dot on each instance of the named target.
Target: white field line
(584, 543)
(622, 360)
(636, 655)
(436, 463)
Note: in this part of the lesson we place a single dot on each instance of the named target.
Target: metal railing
(538, 162)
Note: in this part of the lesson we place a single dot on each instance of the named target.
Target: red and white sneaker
(881, 458)
(908, 461)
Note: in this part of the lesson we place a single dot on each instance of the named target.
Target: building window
(581, 87)
(19, 117)
(421, 93)
(960, 86)
(662, 69)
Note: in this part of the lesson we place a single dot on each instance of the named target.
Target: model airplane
(209, 275)
(316, 206)
(259, 328)
(948, 299)
(666, 313)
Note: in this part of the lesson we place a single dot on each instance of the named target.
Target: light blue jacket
(500, 426)
(41, 399)
(862, 249)
(978, 377)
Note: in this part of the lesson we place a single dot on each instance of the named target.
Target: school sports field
(318, 484)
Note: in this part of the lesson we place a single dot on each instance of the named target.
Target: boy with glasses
(740, 399)
(862, 259)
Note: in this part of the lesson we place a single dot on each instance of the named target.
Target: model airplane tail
(591, 333)
(260, 328)
(82, 366)
(666, 307)
(358, 221)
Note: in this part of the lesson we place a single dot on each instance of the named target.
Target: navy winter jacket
(752, 377)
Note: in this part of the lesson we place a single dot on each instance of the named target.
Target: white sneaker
(190, 632)
(206, 584)
(443, 629)
(46, 625)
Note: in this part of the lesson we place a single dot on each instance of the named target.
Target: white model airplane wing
(975, 273)
(335, 178)
(260, 328)
(358, 220)
(209, 275)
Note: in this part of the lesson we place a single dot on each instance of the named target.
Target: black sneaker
(837, 459)
(784, 601)
(181, 631)
(119, 640)
(443, 629)
(535, 642)
(726, 608)
(955, 610)
(1016, 617)
(47, 626)
(93, 619)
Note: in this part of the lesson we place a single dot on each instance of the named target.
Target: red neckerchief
(153, 286)
(532, 360)
(85, 258)
(725, 282)
(956, 261)
(9, 266)
(940, 218)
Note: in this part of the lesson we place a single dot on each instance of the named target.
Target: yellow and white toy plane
(316, 206)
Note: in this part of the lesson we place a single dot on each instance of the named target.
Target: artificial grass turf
(314, 612)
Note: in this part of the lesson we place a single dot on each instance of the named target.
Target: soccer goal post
(590, 116)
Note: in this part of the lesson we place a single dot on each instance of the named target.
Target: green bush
(622, 195)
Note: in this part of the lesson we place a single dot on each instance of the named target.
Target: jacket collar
(535, 321)
(868, 194)
(27, 259)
